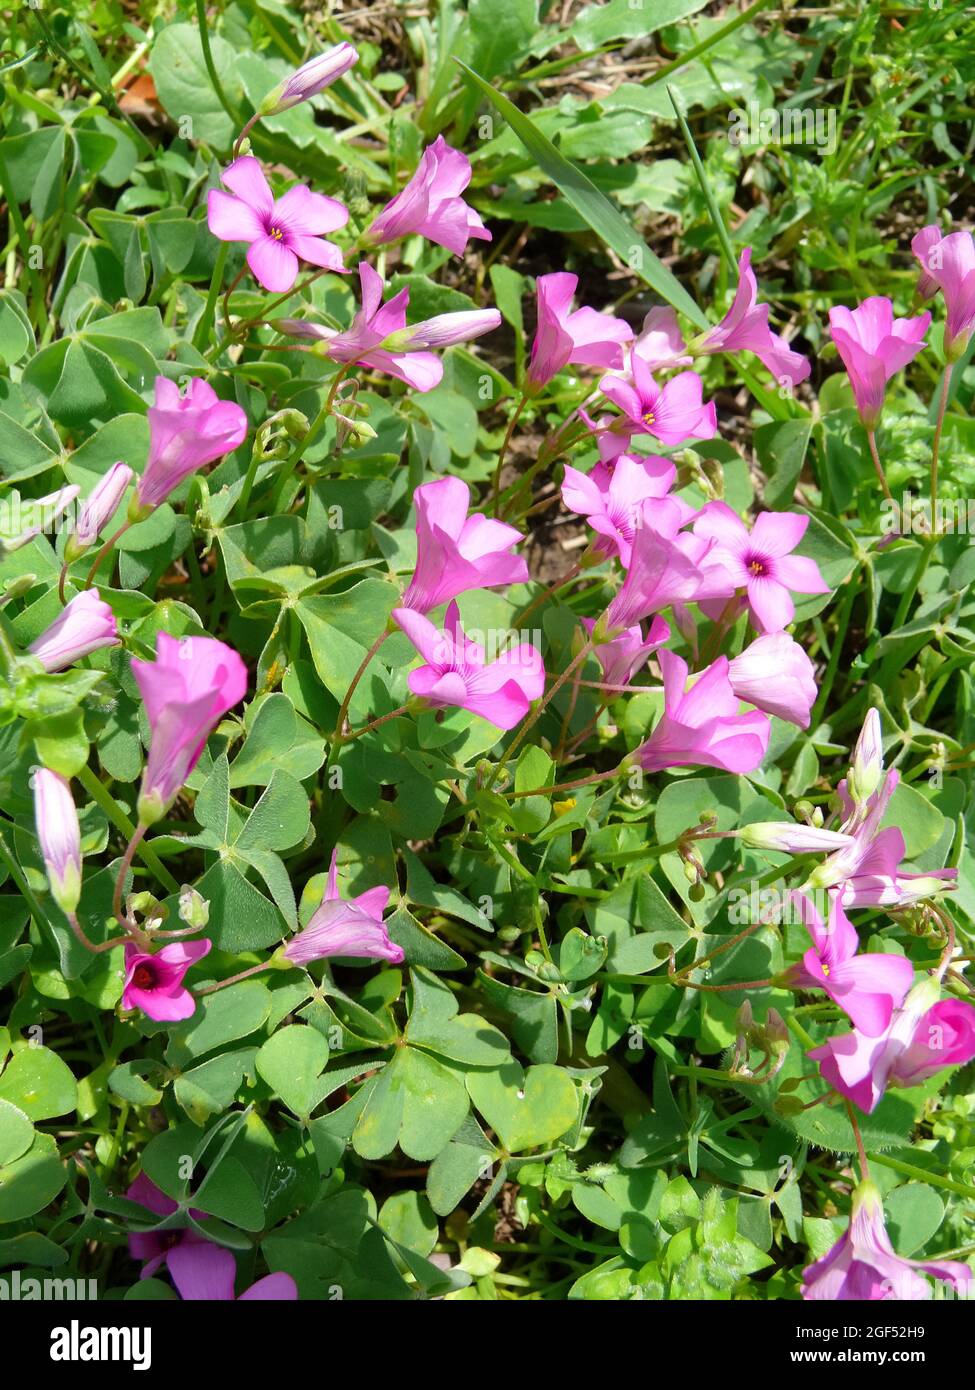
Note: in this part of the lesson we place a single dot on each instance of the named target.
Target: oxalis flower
(584, 337)
(923, 1037)
(344, 928)
(948, 264)
(611, 498)
(280, 231)
(153, 1248)
(456, 552)
(760, 561)
(85, 625)
(203, 1271)
(100, 506)
(874, 346)
(431, 204)
(701, 727)
(776, 675)
(628, 652)
(745, 328)
(459, 674)
(154, 983)
(863, 1266)
(191, 685)
(379, 338)
(310, 79)
(185, 432)
(672, 413)
(59, 836)
(867, 987)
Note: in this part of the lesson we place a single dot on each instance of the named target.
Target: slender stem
(922, 1175)
(103, 797)
(928, 546)
(207, 318)
(232, 979)
(589, 729)
(124, 867)
(61, 581)
(201, 16)
(570, 710)
(375, 723)
(515, 415)
(878, 466)
(536, 714)
(339, 735)
(90, 945)
(549, 592)
(565, 786)
(864, 1165)
(936, 444)
(104, 551)
(227, 325)
(245, 132)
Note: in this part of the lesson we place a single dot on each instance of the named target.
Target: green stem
(100, 794)
(878, 466)
(536, 714)
(208, 317)
(936, 444)
(201, 17)
(516, 413)
(928, 545)
(843, 622)
(922, 1175)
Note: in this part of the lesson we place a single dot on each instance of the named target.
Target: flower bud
(791, 838)
(310, 79)
(194, 909)
(867, 766)
(100, 507)
(59, 835)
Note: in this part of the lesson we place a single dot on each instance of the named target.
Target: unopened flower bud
(194, 909)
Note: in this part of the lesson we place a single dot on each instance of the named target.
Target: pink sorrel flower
(280, 231)
(948, 264)
(665, 568)
(584, 338)
(874, 345)
(458, 672)
(760, 561)
(867, 872)
(84, 625)
(190, 686)
(59, 836)
(310, 79)
(863, 1267)
(745, 328)
(379, 338)
(456, 552)
(100, 506)
(611, 499)
(867, 987)
(340, 927)
(204, 1271)
(626, 653)
(154, 1247)
(154, 983)
(775, 675)
(701, 727)
(431, 204)
(185, 432)
(866, 766)
(671, 413)
(923, 1037)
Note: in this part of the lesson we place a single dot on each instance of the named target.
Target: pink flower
(345, 928)
(185, 432)
(84, 625)
(866, 873)
(584, 338)
(702, 727)
(611, 499)
(775, 675)
(59, 836)
(203, 1271)
(923, 1037)
(99, 508)
(745, 328)
(190, 686)
(154, 983)
(626, 653)
(665, 568)
(660, 342)
(379, 338)
(153, 1247)
(431, 204)
(671, 413)
(310, 79)
(874, 345)
(867, 987)
(281, 231)
(458, 672)
(863, 1267)
(760, 562)
(948, 264)
(456, 552)
(374, 324)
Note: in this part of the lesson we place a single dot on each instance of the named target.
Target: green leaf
(291, 1063)
(914, 1214)
(31, 1181)
(16, 1132)
(525, 1108)
(183, 83)
(37, 1081)
(416, 1102)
